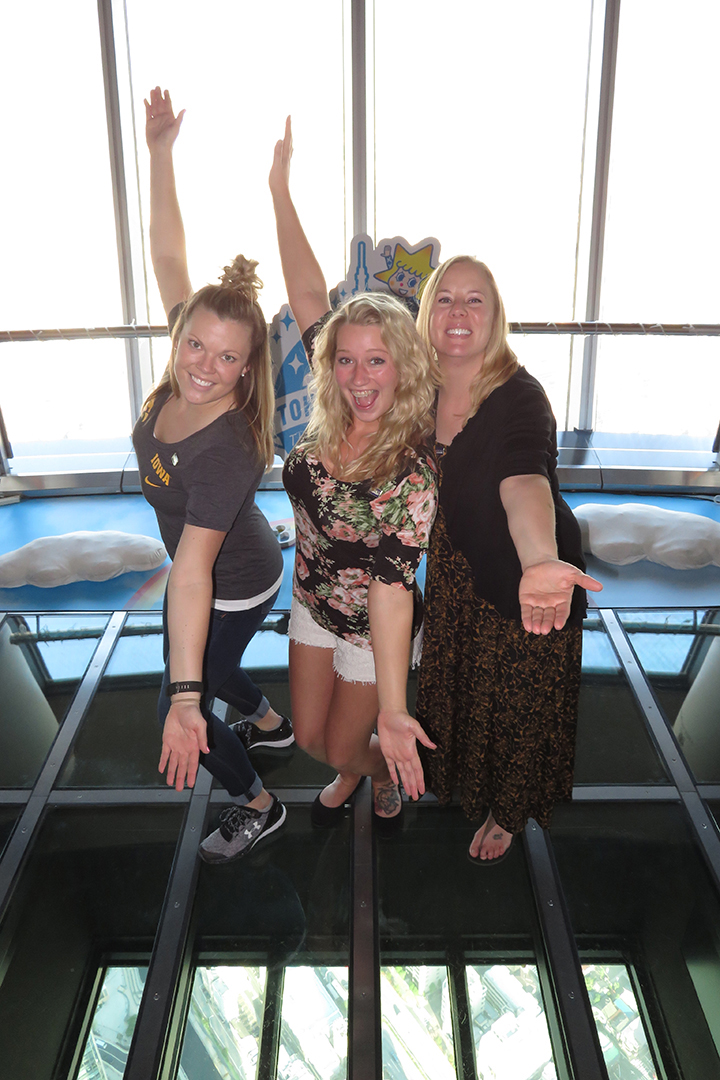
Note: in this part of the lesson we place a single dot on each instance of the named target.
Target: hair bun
(241, 277)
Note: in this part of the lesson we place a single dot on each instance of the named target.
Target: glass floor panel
(93, 887)
(8, 818)
(119, 742)
(433, 899)
(113, 1023)
(222, 1034)
(287, 903)
(417, 1036)
(510, 1032)
(42, 660)
(314, 1028)
(638, 891)
(613, 744)
(679, 652)
(620, 1028)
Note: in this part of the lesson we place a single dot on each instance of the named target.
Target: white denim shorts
(350, 662)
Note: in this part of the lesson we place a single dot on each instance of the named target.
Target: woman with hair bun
(363, 487)
(203, 441)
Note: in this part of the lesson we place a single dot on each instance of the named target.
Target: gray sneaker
(252, 737)
(241, 828)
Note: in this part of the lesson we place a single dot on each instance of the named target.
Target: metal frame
(359, 116)
(120, 199)
(597, 235)
(26, 828)
(580, 1039)
(364, 1032)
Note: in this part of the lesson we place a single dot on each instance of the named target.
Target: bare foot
(490, 841)
(340, 790)
(388, 801)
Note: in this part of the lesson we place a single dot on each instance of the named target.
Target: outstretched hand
(399, 735)
(161, 123)
(184, 739)
(545, 594)
(279, 178)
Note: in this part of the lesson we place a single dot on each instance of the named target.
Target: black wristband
(184, 688)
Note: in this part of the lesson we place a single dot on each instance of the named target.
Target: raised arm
(547, 584)
(391, 613)
(189, 599)
(167, 235)
(304, 280)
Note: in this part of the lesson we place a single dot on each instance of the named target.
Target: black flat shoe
(325, 817)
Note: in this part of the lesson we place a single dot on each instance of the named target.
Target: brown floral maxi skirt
(500, 703)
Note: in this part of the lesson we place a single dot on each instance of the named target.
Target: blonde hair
(407, 424)
(500, 361)
(235, 299)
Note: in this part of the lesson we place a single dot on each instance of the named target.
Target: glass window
(60, 261)
(239, 70)
(488, 154)
(313, 1033)
(287, 908)
(60, 265)
(417, 1037)
(222, 1035)
(640, 888)
(663, 385)
(621, 1032)
(510, 1032)
(680, 654)
(95, 880)
(113, 1023)
(613, 743)
(42, 660)
(663, 219)
(119, 742)
(79, 391)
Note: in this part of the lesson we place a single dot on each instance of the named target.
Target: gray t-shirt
(209, 480)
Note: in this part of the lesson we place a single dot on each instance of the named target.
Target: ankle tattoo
(387, 799)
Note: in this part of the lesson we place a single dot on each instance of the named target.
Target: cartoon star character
(407, 272)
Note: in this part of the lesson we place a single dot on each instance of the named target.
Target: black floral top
(349, 533)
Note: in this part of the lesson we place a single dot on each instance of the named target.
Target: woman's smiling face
(211, 356)
(462, 315)
(365, 372)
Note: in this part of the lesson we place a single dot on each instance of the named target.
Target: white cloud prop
(633, 531)
(79, 556)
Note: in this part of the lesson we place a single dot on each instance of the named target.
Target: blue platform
(643, 584)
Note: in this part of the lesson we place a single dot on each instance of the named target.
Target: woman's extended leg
(230, 634)
(353, 748)
(334, 721)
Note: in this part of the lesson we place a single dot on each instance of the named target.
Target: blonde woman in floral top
(364, 492)
(364, 495)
